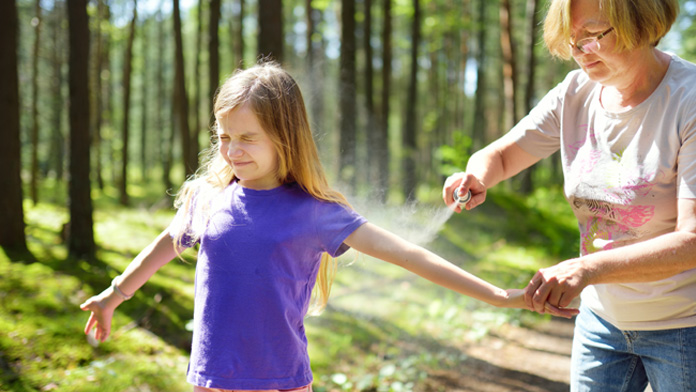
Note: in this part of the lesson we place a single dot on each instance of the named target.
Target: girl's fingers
(90, 323)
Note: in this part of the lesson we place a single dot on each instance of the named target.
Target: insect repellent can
(463, 200)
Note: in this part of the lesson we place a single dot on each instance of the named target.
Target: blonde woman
(268, 226)
(625, 125)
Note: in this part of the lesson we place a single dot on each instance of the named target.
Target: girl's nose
(234, 150)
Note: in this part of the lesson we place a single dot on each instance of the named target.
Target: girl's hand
(515, 299)
(102, 308)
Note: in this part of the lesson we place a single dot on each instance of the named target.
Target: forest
(113, 93)
(106, 105)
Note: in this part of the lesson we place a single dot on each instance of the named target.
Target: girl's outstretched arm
(102, 306)
(377, 242)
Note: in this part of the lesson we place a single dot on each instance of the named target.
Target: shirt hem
(207, 381)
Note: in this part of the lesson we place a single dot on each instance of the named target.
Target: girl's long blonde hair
(275, 98)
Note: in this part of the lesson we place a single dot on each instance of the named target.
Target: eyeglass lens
(588, 45)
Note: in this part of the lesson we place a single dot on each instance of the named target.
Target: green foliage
(453, 157)
(688, 30)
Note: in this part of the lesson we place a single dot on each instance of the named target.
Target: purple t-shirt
(259, 256)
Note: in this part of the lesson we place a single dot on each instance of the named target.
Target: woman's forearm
(646, 261)
(499, 161)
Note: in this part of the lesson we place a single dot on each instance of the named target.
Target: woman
(625, 124)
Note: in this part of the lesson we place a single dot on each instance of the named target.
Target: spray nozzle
(461, 200)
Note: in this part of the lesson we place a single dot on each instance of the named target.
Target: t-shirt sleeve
(686, 161)
(538, 133)
(335, 223)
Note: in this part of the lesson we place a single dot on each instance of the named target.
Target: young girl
(269, 227)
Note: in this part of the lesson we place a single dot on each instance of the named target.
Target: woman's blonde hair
(635, 22)
(275, 98)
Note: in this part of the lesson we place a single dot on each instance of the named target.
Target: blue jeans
(606, 359)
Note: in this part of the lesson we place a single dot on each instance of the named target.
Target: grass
(383, 328)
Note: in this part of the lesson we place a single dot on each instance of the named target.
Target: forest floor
(511, 358)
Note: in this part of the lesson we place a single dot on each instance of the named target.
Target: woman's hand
(465, 182)
(515, 299)
(552, 289)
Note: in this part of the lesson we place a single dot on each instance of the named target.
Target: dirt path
(512, 359)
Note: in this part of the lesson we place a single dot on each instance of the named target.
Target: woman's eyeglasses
(590, 44)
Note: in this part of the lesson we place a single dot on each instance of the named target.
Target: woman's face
(246, 147)
(602, 64)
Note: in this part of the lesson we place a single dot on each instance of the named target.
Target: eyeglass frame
(596, 38)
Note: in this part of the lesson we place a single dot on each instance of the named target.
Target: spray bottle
(463, 200)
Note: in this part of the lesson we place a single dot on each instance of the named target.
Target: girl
(269, 227)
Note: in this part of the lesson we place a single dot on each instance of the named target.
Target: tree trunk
(57, 152)
(533, 22)
(461, 81)
(270, 44)
(410, 177)
(372, 137)
(347, 97)
(11, 211)
(127, 66)
(238, 36)
(96, 75)
(509, 65)
(196, 105)
(383, 129)
(478, 135)
(35, 105)
(213, 56)
(315, 67)
(166, 130)
(80, 237)
(105, 114)
(181, 106)
(144, 103)
(526, 182)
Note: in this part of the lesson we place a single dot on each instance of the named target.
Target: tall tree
(166, 136)
(314, 67)
(144, 100)
(213, 54)
(190, 156)
(196, 105)
(410, 179)
(81, 236)
(57, 152)
(125, 130)
(271, 29)
(347, 95)
(383, 129)
(36, 22)
(510, 88)
(11, 212)
(99, 66)
(372, 137)
(478, 132)
(526, 184)
(532, 34)
(238, 35)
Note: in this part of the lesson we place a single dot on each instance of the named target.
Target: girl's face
(246, 147)
(602, 65)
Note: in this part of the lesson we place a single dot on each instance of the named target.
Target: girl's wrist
(115, 287)
(110, 299)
